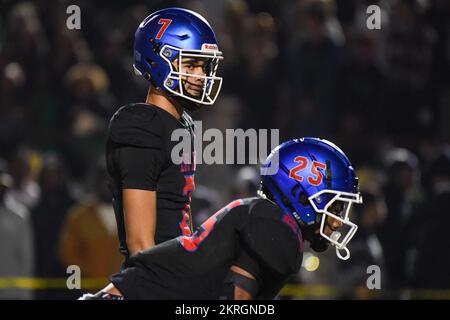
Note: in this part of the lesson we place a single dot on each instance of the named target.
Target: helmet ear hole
(151, 62)
(155, 45)
(303, 199)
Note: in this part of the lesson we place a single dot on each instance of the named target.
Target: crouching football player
(307, 197)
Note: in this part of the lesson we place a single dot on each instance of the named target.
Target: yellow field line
(298, 291)
(294, 291)
(48, 283)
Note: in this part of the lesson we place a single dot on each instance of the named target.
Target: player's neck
(156, 98)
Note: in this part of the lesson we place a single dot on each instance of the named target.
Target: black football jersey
(139, 156)
(252, 233)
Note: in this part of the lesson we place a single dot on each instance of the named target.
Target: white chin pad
(335, 235)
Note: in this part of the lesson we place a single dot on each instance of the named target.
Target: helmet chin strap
(335, 236)
(340, 256)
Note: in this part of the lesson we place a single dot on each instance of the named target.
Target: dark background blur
(305, 67)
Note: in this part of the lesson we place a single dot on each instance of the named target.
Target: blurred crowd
(305, 67)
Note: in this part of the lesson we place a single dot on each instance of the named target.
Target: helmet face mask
(343, 201)
(175, 81)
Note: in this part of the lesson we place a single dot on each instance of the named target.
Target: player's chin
(191, 105)
(195, 93)
(327, 231)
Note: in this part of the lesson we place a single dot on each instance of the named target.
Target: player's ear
(303, 198)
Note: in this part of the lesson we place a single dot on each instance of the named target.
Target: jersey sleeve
(137, 134)
(249, 264)
(271, 241)
(269, 283)
(139, 167)
(137, 125)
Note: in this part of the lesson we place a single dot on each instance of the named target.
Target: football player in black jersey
(308, 187)
(176, 50)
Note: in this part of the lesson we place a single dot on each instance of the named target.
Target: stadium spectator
(47, 220)
(403, 195)
(428, 230)
(89, 237)
(15, 242)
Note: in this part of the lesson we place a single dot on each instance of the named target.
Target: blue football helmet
(312, 179)
(168, 36)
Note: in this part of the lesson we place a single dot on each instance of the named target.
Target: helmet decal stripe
(328, 174)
